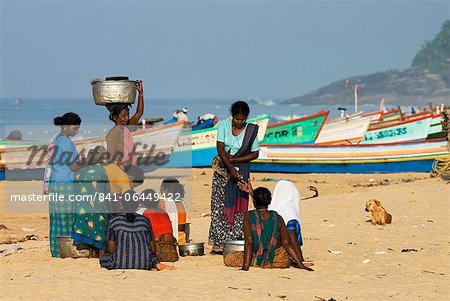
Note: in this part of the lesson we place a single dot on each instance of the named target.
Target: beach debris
(283, 277)
(205, 214)
(27, 229)
(390, 249)
(326, 223)
(380, 253)
(265, 179)
(3, 227)
(409, 250)
(203, 173)
(30, 237)
(313, 189)
(242, 288)
(335, 252)
(413, 201)
(205, 184)
(281, 296)
(431, 272)
(11, 249)
(366, 261)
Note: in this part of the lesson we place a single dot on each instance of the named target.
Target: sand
(370, 266)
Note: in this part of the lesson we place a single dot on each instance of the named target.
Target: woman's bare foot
(161, 266)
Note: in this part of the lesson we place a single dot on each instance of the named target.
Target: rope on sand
(442, 167)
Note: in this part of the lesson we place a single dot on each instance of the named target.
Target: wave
(262, 102)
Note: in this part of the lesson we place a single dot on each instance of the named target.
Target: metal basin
(193, 249)
(66, 248)
(114, 91)
(233, 246)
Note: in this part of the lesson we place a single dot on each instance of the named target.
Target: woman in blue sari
(63, 163)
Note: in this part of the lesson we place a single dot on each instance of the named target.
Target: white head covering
(286, 201)
(172, 212)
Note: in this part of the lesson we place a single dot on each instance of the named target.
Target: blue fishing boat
(416, 156)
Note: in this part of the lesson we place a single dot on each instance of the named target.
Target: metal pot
(230, 246)
(66, 248)
(193, 249)
(114, 90)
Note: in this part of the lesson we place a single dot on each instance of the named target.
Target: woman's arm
(153, 247)
(140, 107)
(248, 246)
(286, 242)
(294, 241)
(111, 246)
(226, 159)
(247, 158)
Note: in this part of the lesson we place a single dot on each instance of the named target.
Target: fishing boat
(344, 132)
(416, 156)
(408, 130)
(24, 160)
(198, 148)
(296, 131)
(435, 130)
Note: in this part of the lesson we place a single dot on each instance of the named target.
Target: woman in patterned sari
(99, 187)
(267, 243)
(237, 145)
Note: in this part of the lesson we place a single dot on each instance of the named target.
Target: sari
(265, 238)
(236, 200)
(93, 211)
(228, 202)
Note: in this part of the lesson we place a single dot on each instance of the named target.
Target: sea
(29, 113)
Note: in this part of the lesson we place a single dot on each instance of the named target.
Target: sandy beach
(354, 260)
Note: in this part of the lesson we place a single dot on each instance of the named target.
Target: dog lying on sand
(379, 214)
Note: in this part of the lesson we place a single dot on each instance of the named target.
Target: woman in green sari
(267, 242)
(98, 188)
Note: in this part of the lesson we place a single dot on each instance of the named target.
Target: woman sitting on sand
(267, 243)
(109, 181)
(171, 201)
(166, 244)
(131, 242)
(286, 202)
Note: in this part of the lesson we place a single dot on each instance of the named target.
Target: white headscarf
(172, 212)
(286, 201)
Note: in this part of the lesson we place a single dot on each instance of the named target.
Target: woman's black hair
(130, 204)
(262, 197)
(149, 199)
(240, 107)
(173, 186)
(67, 119)
(115, 109)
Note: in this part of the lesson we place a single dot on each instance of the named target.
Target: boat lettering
(184, 141)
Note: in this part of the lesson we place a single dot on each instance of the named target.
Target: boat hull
(296, 131)
(382, 158)
(154, 146)
(198, 148)
(409, 130)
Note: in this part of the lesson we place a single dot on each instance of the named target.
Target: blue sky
(220, 49)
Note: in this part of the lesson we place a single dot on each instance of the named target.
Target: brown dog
(379, 214)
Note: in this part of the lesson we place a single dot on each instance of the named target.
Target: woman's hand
(246, 186)
(160, 267)
(140, 87)
(235, 174)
